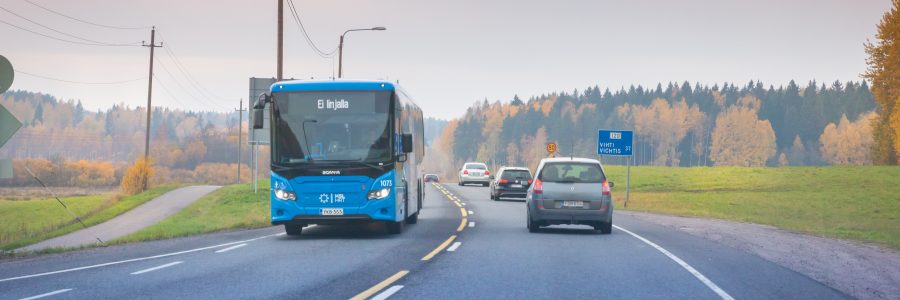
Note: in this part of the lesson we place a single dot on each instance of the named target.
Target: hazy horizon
(448, 55)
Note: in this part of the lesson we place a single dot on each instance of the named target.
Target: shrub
(137, 177)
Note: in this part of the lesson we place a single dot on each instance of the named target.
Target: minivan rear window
(476, 167)
(516, 175)
(572, 172)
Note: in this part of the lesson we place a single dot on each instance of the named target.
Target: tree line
(675, 125)
(67, 145)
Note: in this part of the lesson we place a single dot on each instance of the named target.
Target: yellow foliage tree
(843, 144)
(740, 138)
(137, 177)
(884, 73)
(665, 125)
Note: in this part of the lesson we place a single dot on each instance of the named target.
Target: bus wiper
(306, 139)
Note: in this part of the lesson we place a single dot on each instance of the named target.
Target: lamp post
(341, 47)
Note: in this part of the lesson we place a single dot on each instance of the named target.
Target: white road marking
(463, 203)
(387, 293)
(47, 294)
(136, 259)
(454, 246)
(231, 248)
(471, 212)
(156, 268)
(715, 288)
(471, 223)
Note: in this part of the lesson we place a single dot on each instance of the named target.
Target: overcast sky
(447, 54)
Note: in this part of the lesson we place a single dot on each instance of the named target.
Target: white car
(476, 173)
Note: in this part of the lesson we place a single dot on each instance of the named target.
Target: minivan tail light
(538, 187)
(487, 172)
(466, 172)
(606, 188)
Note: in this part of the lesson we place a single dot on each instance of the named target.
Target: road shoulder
(860, 270)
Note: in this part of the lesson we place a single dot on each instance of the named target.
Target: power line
(79, 82)
(83, 21)
(65, 40)
(61, 32)
(309, 40)
(201, 99)
(191, 79)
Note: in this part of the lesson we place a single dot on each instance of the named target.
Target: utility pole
(280, 38)
(152, 46)
(240, 111)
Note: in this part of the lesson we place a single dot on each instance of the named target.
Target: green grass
(859, 203)
(230, 207)
(26, 222)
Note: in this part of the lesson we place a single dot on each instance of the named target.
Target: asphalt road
(480, 251)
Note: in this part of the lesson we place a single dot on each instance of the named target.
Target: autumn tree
(665, 125)
(884, 73)
(740, 138)
(137, 177)
(842, 144)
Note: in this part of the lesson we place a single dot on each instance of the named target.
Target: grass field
(26, 222)
(859, 203)
(230, 207)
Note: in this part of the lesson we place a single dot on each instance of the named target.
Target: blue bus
(343, 151)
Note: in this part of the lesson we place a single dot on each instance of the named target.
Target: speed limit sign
(551, 147)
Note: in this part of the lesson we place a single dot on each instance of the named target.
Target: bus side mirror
(406, 143)
(258, 118)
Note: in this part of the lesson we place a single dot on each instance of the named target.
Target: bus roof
(332, 85)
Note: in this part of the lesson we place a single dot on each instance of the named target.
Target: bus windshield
(331, 126)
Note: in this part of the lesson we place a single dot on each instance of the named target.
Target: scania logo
(331, 172)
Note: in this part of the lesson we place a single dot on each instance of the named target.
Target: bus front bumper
(372, 210)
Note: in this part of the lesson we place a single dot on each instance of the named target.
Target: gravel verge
(861, 270)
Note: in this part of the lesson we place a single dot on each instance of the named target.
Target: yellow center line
(462, 224)
(439, 248)
(381, 285)
(463, 212)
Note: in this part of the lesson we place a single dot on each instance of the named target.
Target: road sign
(6, 74)
(8, 125)
(551, 147)
(614, 142)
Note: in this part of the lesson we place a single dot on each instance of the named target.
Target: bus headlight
(379, 194)
(285, 195)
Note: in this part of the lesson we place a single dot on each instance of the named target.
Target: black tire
(413, 219)
(604, 227)
(532, 226)
(395, 227)
(461, 183)
(293, 229)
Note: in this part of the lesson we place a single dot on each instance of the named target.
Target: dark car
(432, 178)
(510, 182)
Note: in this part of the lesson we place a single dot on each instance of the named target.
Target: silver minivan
(570, 191)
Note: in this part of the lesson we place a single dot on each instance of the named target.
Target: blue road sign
(615, 142)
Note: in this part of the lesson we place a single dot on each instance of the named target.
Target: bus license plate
(332, 211)
(576, 203)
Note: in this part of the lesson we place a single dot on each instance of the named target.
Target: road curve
(464, 246)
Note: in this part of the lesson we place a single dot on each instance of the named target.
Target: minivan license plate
(574, 203)
(332, 211)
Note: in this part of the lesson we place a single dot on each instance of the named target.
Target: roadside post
(617, 143)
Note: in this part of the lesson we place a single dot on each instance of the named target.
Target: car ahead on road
(510, 182)
(432, 178)
(473, 172)
(570, 191)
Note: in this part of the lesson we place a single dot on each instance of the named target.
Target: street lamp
(341, 47)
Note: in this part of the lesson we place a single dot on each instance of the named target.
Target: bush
(137, 177)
